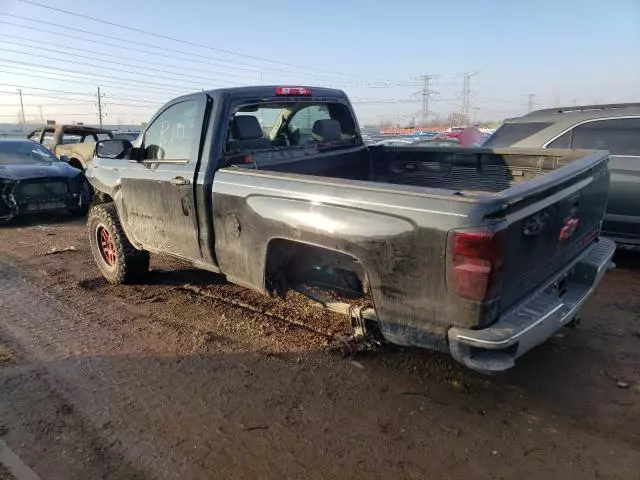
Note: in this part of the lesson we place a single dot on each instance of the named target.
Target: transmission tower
(427, 95)
(466, 93)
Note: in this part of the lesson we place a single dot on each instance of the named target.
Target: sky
(520, 54)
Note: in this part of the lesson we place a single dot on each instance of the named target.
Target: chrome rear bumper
(495, 349)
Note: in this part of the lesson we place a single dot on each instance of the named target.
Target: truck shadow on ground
(322, 417)
(562, 394)
(42, 219)
(192, 276)
(627, 259)
(568, 380)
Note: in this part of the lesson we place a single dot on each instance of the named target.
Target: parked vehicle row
(463, 137)
(480, 253)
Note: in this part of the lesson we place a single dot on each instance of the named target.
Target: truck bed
(461, 170)
(532, 194)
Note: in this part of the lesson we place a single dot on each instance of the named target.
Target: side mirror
(113, 149)
(64, 158)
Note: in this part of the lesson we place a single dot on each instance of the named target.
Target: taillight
(474, 263)
(292, 91)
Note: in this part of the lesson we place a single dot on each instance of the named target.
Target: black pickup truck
(481, 253)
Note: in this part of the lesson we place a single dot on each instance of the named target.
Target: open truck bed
(537, 213)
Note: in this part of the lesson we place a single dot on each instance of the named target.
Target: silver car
(615, 128)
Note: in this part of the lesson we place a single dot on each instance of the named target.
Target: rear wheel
(118, 260)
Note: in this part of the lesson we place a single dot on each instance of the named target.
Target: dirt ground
(186, 376)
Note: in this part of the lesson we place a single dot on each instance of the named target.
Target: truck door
(158, 191)
(621, 136)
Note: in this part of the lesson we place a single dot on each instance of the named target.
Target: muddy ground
(186, 376)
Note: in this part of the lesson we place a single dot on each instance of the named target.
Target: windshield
(290, 125)
(24, 151)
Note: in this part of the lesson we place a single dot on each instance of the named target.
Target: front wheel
(118, 260)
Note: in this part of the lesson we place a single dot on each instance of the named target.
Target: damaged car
(33, 180)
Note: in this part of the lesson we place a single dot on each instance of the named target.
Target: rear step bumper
(495, 349)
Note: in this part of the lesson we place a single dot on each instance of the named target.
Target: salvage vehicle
(615, 128)
(74, 144)
(477, 252)
(33, 180)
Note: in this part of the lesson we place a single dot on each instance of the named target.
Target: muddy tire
(118, 260)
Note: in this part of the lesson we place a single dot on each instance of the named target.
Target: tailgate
(551, 219)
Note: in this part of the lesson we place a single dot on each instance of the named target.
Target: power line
(77, 100)
(258, 70)
(91, 95)
(85, 64)
(98, 78)
(61, 114)
(186, 42)
(119, 57)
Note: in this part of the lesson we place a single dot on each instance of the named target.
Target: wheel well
(74, 162)
(290, 263)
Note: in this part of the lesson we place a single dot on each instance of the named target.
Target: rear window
(290, 125)
(511, 133)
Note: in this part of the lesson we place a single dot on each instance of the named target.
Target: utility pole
(530, 102)
(556, 100)
(24, 120)
(426, 95)
(466, 93)
(100, 107)
(41, 116)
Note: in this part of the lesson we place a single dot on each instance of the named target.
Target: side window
(88, 139)
(563, 141)
(68, 138)
(101, 137)
(170, 136)
(35, 136)
(47, 140)
(621, 136)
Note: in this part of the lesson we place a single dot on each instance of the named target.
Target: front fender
(106, 181)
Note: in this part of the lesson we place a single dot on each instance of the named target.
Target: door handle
(179, 181)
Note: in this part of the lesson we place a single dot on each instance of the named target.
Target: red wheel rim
(105, 244)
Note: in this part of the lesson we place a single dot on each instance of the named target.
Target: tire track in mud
(255, 309)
